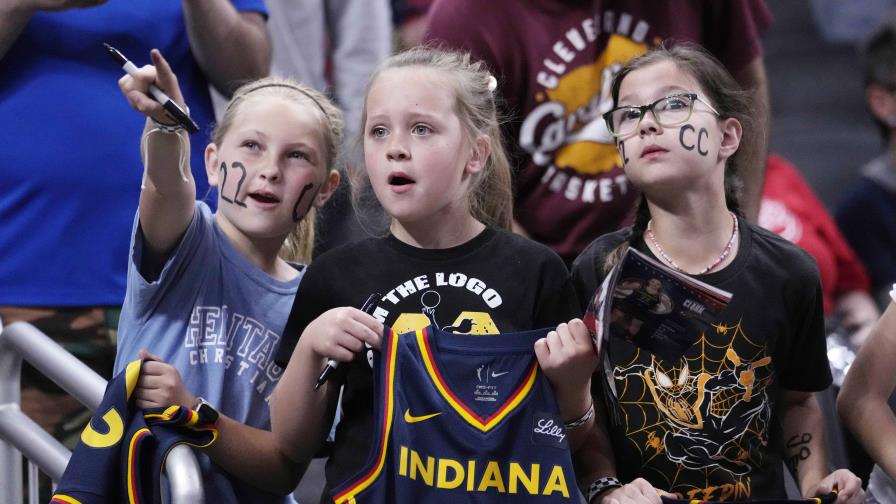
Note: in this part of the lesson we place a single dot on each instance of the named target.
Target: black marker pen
(368, 307)
(176, 112)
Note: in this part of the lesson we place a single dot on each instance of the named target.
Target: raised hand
(136, 88)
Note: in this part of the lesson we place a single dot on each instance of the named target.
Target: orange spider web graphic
(663, 403)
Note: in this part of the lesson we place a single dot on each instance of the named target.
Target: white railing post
(20, 435)
(10, 397)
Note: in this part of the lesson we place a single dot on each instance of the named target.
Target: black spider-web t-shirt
(495, 283)
(707, 427)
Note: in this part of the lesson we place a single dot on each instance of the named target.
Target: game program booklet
(652, 306)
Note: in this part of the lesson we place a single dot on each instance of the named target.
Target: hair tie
(492, 83)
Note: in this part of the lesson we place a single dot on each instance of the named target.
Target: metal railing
(20, 435)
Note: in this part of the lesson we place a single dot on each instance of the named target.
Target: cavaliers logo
(567, 126)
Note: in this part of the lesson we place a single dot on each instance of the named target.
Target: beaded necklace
(709, 268)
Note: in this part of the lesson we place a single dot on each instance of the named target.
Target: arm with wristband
(246, 452)
(596, 472)
(168, 189)
(569, 358)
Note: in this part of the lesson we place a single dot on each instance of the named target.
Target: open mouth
(400, 180)
(262, 197)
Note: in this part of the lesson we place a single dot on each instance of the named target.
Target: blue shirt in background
(70, 165)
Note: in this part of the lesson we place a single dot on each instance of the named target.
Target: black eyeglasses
(669, 111)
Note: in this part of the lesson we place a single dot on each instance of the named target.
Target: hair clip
(492, 83)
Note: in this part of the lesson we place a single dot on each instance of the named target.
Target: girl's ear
(732, 131)
(211, 164)
(480, 151)
(331, 182)
(882, 104)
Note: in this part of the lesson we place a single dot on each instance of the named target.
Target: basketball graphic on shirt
(466, 322)
(479, 323)
(407, 322)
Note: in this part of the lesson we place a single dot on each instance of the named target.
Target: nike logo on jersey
(414, 419)
(495, 375)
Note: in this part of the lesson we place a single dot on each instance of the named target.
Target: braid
(642, 217)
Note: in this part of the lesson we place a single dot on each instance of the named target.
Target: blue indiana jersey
(463, 418)
(122, 450)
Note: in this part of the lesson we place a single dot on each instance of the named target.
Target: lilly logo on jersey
(482, 475)
(547, 430)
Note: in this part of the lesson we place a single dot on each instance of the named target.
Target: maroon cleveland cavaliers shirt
(555, 61)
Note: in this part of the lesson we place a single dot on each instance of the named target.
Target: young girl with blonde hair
(209, 293)
(436, 163)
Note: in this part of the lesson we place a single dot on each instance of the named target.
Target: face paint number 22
(239, 166)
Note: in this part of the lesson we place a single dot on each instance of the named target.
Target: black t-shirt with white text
(707, 426)
(495, 283)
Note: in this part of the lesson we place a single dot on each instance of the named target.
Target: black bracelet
(600, 486)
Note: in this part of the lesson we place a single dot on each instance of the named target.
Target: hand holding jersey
(568, 358)
(338, 334)
(160, 385)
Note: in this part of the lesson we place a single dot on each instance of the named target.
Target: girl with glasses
(717, 423)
